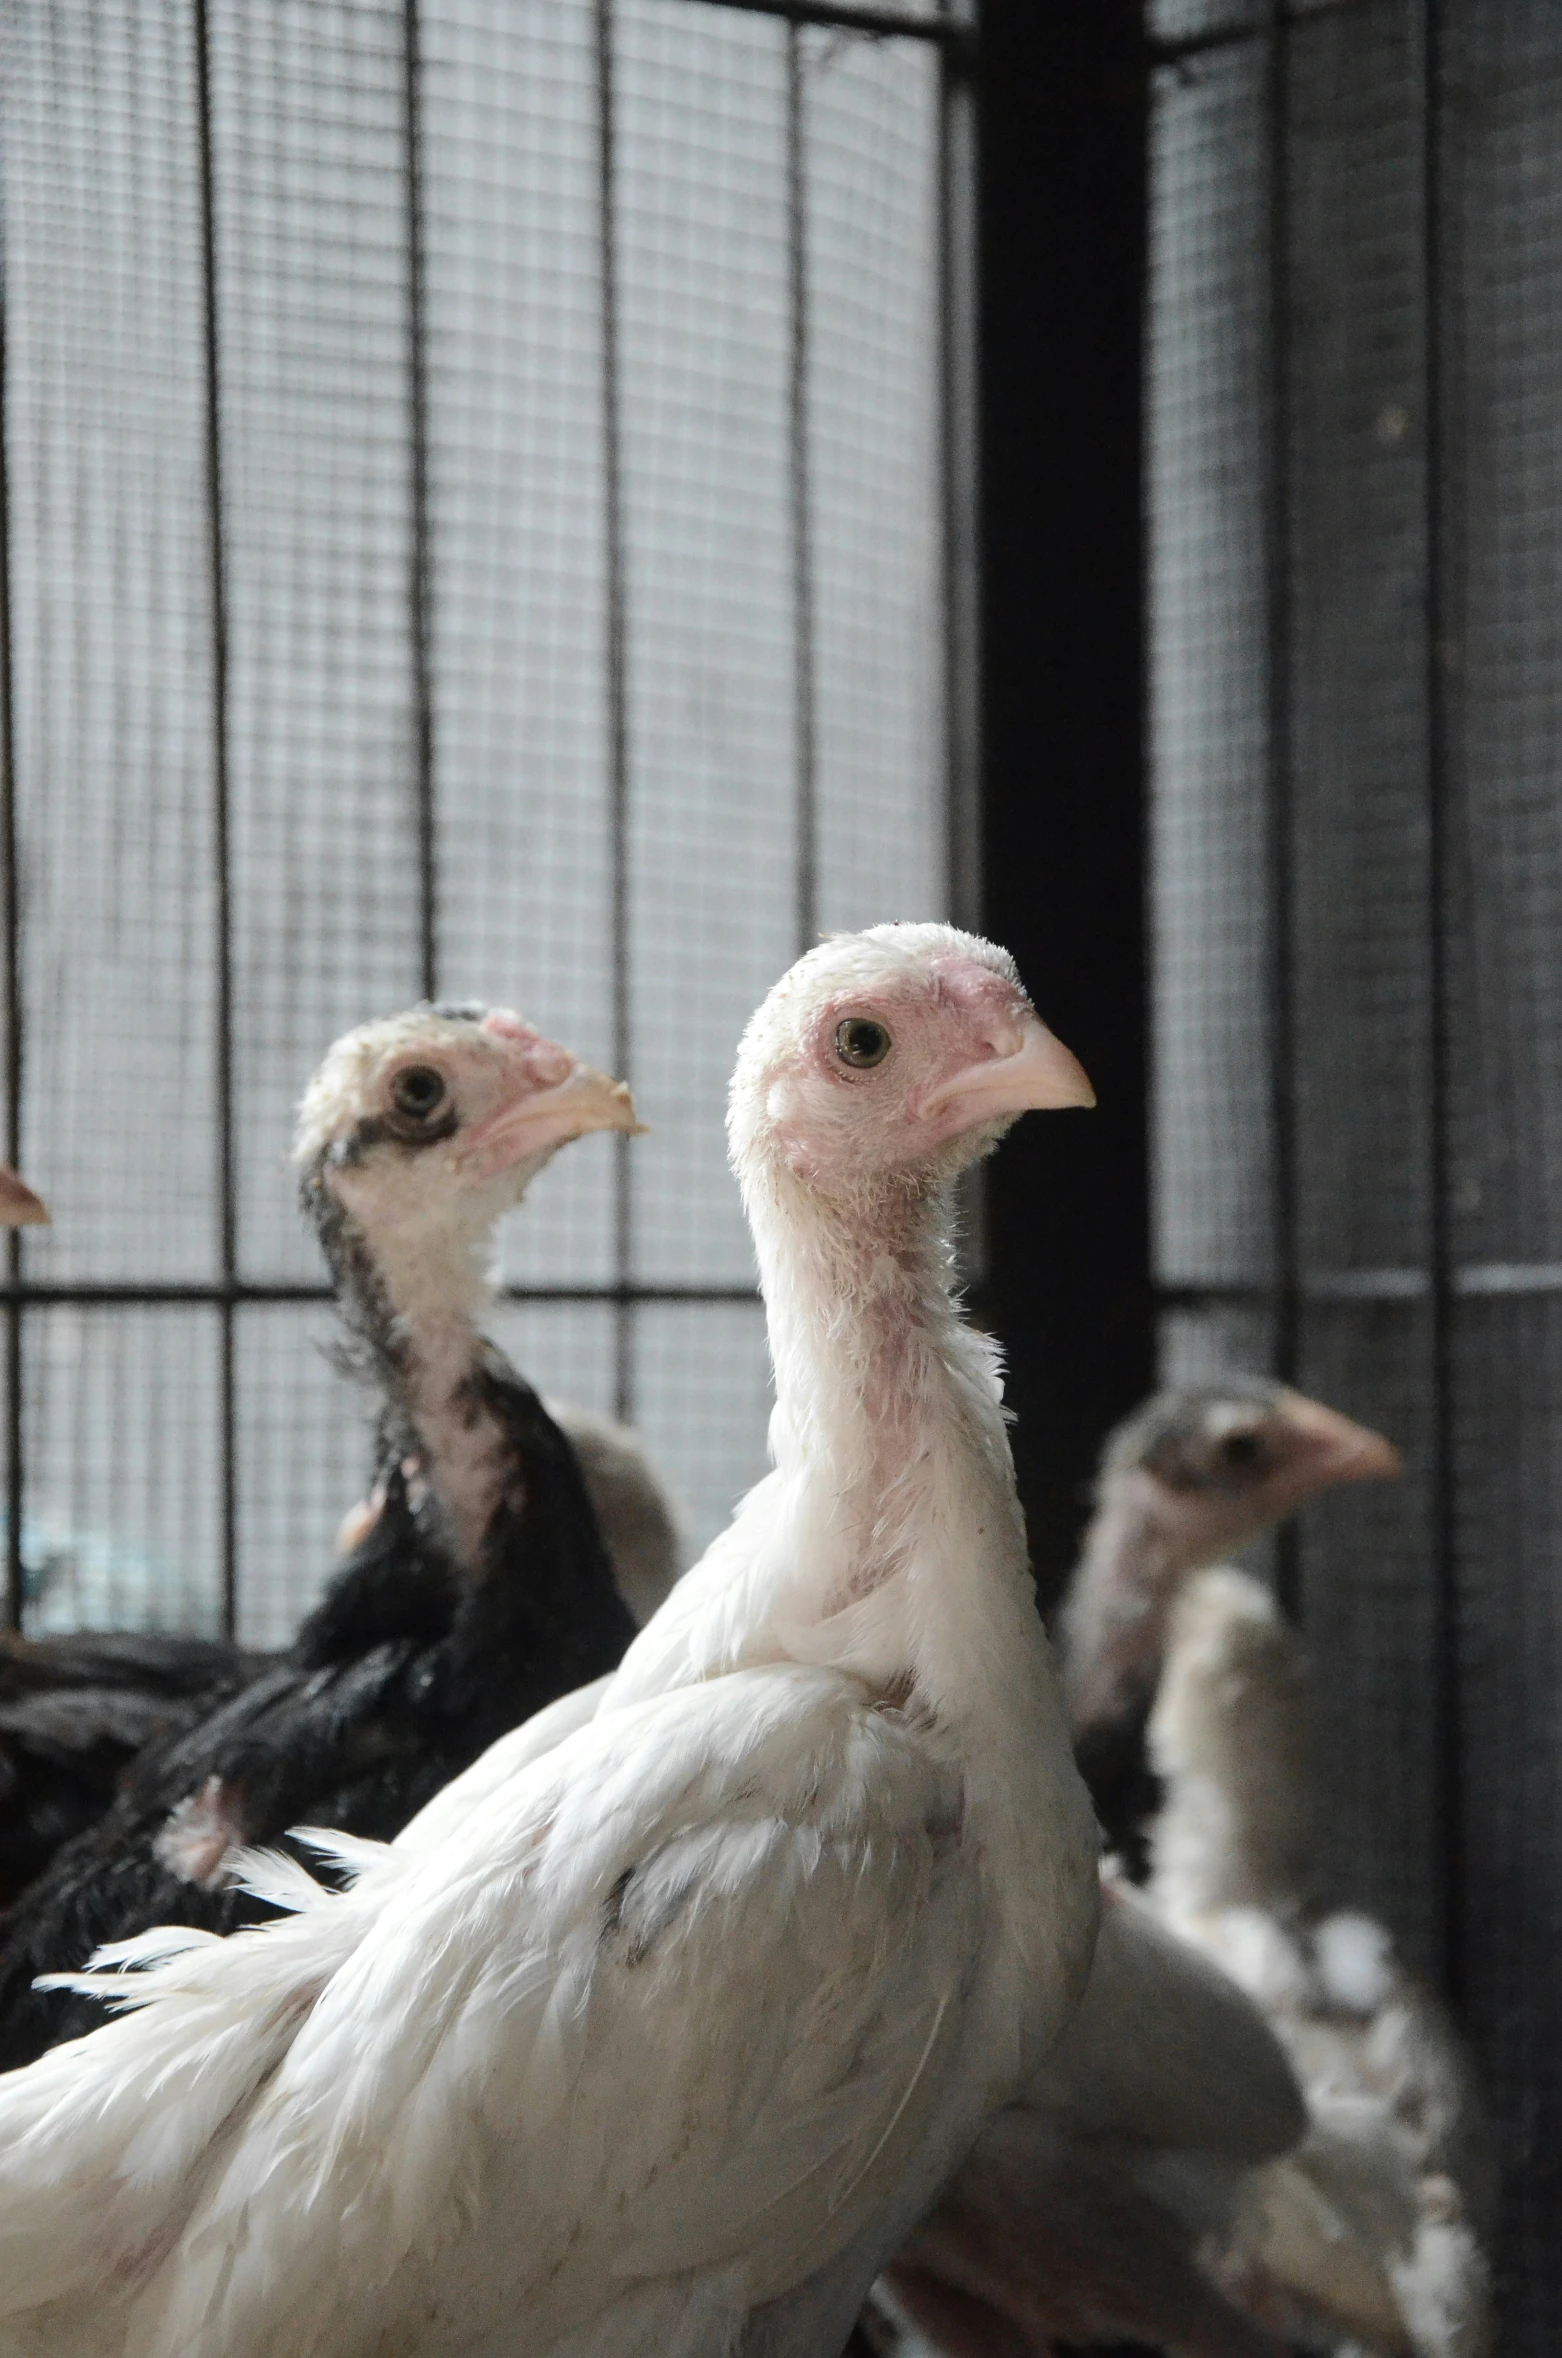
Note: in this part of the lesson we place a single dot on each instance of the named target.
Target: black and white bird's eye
(861, 1041)
(418, 1093)
(1242, 1453)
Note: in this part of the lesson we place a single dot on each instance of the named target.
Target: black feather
(74, 1713)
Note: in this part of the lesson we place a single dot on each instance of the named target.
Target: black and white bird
(479, 1587)
(19, 1206)
(659, 2040)
(1186, 1481)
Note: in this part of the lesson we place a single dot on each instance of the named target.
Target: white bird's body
(653, 2043)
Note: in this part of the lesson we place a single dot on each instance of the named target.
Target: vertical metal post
(420, 585)
(960, 487)
(959, 496)
(226, 1177)
(1282, 1026)
(803, 720)
(617, 690)
(10, 922)
(1449, 1761)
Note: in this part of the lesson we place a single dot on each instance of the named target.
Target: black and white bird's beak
(543, 1118)
(19, 1207)
(1323, 1448)
(1029, 1070)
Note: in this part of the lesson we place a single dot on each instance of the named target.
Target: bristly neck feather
(907, 1547)
(908, 1561)
(868, 1343)
(889, 1544)
(411, 1303)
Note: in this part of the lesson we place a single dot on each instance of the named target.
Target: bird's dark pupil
(861, 1041)
(419, 1091)
(1242, 1449)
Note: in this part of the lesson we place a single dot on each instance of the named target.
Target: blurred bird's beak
(1331, 1448)
(544, 1118)
(19, 1207)
(1038, 1075)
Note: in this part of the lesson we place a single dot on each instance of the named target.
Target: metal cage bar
(948, 36)
(11, 1047)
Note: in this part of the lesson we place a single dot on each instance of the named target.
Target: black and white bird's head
(892, 1058)
(434, 1122)
(1214, 1466)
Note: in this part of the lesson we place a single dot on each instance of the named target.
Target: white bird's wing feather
(104, 2140)
(678, 2004)
(1213, 2079)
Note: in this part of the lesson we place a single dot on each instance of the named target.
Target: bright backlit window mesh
(579, 553)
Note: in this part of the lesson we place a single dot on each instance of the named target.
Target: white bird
(659, 2041)
(1374, 2230)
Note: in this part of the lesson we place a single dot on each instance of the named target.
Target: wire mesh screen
(1357, 510)
(474, 513)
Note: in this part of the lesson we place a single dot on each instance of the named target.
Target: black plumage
(74, 1712)
(481, 1588)
(399, 1679)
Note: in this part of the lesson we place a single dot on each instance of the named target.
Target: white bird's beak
(587, 1100)
(1039, 1075)
(19, 1207)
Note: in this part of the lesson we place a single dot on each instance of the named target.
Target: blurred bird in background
(1185, 1482)
(1375, 2230)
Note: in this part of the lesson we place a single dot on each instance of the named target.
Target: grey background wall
(1355, 475)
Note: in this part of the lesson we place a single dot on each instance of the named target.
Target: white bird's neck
(907, 1560)
(888, 1544)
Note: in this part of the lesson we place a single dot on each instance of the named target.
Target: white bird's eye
(861, 1041)
(418, 1092)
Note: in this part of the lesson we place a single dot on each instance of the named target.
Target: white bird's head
(443, 1115)
(892, 1058)
(1216, 1465)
